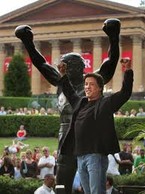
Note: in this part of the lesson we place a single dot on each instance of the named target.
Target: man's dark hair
(142, 150)
(98, 78)
(48, 176)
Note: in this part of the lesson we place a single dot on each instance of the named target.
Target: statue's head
(75, 64)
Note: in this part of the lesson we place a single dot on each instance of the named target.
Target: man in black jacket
(66, 164)
(91, 135)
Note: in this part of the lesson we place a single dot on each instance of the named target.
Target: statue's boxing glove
(24, 32)
(112, 27)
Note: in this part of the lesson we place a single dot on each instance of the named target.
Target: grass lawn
(52, 143)
(32, 141)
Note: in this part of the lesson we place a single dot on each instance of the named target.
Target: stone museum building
(62, 26)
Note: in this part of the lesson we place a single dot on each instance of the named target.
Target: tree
(17, 80)
(142, 2)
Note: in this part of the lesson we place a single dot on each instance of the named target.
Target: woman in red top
(21, 134)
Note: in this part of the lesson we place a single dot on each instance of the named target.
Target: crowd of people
(18, 161)
(50, 111)
(132, 113)
(128, 160)
(28, 111)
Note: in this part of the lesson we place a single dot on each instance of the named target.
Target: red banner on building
(127, 54)
(104, 56)
(88, 62)
(8, 60)
(6, 64)
(48, 59)
(29, 65)
(124, 55)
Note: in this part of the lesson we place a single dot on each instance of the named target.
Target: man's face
(46, 152)
(50, 181)
(92, 90)
(142, 153)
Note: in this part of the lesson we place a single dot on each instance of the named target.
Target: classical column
(17, 48)
(97, 52)
(142, 89)
(118, 75)
(55, 56)
(76, 45)
(55, 51)
(36, 76)
(2, 58)
(137, 63)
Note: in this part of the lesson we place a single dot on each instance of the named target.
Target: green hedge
(28, 186)
(39, 126)
(130, 180)
(125, 124)
(42, 126)
(21, 186)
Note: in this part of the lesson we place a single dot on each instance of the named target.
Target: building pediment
(56, 10)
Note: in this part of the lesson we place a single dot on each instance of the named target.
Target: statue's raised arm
(112, 28)
(24, 32)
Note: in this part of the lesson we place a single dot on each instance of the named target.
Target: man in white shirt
(46, 163)
(113, 164)
(47, 187)
(2, 110)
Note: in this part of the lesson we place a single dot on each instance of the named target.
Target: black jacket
(106, 139)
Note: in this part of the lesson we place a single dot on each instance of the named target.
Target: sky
(7, 6)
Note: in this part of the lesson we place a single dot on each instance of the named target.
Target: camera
(60, 189)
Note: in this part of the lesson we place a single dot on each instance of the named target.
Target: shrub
(28, 186)
(21, 186)
(126, 124)
(130, 180)
(37, 126)
(17, 80)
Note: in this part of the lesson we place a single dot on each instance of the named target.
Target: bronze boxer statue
(66, 164)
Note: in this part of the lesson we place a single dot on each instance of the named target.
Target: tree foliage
(142, 2)
(17, 80)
